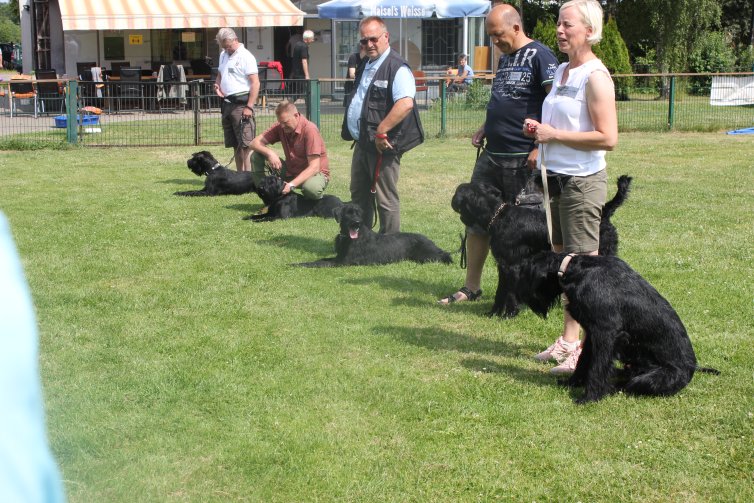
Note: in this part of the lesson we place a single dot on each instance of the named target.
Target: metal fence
(155, 114)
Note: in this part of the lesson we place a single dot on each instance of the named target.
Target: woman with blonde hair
(579, 124)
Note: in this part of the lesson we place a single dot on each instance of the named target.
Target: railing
(190, 114)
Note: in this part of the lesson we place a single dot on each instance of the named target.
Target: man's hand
(274, 161)
(478, 138)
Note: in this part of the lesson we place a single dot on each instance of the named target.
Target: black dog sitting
(624, 319)
(519, 231)
(357, 244)
(220, 180)
(290, 205)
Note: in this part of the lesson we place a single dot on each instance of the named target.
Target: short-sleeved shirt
(234, 70)
(298, 145)
(469, 76)
(354, 60)
(404, 86)
(300, 52)
(518, 91)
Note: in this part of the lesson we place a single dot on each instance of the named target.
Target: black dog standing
(624, 318)
(519, 231)
(220, 180)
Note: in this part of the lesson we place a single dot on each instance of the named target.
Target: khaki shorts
(577, 212)
(235, 132)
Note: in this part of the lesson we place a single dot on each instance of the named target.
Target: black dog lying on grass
(357, 244)
(290, 205)
(519, 231)
(624, 319)
(220, 180)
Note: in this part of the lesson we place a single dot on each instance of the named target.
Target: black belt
(238, 99)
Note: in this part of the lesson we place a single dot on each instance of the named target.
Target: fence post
(72, 111)
(443, 108)
(671, 103)
(314, 101)
(196, 92)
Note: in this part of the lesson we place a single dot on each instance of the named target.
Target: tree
(613, 52)
(9, 32)
(674, 26)
(10, 11)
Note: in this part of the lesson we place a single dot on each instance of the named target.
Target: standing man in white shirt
(237, 83)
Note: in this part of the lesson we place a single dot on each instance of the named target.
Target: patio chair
(22, 91)
(50, 95)
(129, 88)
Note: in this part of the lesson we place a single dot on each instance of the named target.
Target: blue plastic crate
(61, 121)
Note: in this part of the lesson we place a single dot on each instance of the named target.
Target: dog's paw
(583, 400)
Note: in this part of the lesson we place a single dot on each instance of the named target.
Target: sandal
(470, 296)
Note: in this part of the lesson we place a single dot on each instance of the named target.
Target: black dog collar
(217, 165)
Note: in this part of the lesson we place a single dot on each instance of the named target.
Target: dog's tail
(624, 186)
(707, 370)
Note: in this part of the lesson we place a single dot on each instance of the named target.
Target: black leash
(463, 262)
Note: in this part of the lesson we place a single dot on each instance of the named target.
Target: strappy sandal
(470, 296)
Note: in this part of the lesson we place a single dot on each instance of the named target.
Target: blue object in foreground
(748, 130)
(28, 472)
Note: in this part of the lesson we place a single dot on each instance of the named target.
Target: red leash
(376, 172)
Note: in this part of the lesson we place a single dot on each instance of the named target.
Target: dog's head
(349, 218)
(538, 286)
(270, 189)
(476, 203)
(202, 163)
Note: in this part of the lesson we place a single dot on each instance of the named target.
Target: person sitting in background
(464, 76)
(306, 165)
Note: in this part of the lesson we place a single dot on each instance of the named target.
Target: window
(440, 42)
(114, 47)
(178, 45)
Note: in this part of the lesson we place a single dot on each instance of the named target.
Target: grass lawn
(185, 359)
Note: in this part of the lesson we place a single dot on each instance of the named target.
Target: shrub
(613, 52)
(545, 32)
(477, 94)
(712, 53)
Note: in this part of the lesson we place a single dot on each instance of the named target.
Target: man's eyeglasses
(373, 40)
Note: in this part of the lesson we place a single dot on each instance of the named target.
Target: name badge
(380, 83)
(567, 91)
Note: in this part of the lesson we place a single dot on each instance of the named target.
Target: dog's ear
(337, 212)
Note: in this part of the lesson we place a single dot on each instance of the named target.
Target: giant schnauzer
(290, 205)
(357, 244)
(518, 231)
(624, 319)
(220, 180)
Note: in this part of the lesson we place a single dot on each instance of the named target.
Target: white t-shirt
(565, 108)
(235, 70)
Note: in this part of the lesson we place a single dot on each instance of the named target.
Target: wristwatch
(291, 186)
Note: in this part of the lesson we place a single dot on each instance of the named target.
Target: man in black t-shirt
(523, 79)
(300, 67)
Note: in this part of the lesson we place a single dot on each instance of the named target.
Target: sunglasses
(373, 40)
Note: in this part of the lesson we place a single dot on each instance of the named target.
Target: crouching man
(305, 166)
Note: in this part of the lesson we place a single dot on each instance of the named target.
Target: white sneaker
(559, 351)
(569, 364)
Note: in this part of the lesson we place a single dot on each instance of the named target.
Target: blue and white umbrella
(355, 9)
(404, 9)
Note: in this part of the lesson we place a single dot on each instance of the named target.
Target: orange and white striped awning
(167, 14)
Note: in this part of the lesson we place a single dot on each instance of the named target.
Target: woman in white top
(579, 123)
